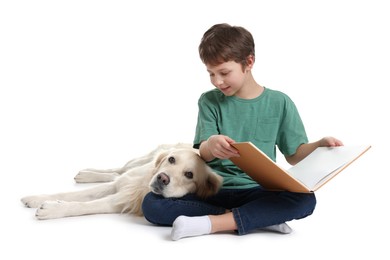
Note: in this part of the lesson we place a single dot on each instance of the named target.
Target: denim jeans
(253, 208)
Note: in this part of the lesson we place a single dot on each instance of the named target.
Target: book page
(323, 163)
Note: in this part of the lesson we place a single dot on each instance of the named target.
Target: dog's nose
(163, 178)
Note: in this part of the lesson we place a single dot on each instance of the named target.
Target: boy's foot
(190, 226)
(281, 228)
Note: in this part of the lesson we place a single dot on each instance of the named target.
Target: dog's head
(183, 171)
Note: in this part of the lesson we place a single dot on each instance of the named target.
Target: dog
(171, 170)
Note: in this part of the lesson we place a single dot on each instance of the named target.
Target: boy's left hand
(330, 141)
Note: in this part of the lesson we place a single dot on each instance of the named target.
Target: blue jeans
(253, 208)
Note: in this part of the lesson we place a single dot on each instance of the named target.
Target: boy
(238, 109)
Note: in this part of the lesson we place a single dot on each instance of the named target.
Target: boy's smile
(227, 77)
(233, 79)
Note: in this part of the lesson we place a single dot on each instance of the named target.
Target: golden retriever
(169, 170)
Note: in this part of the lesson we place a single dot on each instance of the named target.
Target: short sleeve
(292, 131)
(206, 122)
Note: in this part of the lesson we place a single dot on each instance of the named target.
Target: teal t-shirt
(268, 120)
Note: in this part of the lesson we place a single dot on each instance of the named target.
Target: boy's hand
(330, 142)
(220, 147)
(305, 149)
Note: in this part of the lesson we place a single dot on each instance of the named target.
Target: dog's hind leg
(61, 209)
(90, 194)
(109, 175)
(94, 175)
(91, 175)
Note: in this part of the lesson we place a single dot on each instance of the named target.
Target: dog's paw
(34, 201)
(90, 176)
(50, 210)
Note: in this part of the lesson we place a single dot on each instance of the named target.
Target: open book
(306, 176)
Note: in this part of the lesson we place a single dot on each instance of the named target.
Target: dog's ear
(159, 158)
(212, 183)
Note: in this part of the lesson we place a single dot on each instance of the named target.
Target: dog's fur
(169, 170)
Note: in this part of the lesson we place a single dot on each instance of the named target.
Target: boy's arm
(205, 152)
(217, 146)
(305, 149)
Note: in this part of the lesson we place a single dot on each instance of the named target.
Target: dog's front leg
(61, 209)
(90, 194)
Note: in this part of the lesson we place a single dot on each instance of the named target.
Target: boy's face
(229, 77)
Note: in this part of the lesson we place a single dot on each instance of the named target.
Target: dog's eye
(189, 175)
(171, 160)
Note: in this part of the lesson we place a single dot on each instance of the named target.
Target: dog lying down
(169, 170)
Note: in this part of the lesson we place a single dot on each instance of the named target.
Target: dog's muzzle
(162, 180)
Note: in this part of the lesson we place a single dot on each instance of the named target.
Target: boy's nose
(218, 81)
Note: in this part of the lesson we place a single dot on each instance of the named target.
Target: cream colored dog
(169, 170)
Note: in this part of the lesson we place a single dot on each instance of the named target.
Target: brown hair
(223, 42)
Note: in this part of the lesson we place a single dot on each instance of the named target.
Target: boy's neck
(250, 91)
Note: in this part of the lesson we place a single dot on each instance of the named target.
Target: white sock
(281, 228)
(190, 226)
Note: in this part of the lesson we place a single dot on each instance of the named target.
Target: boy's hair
(223, 43)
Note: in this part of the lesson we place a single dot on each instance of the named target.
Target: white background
(96, 83)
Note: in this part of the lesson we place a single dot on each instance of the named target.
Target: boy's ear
(250, 60)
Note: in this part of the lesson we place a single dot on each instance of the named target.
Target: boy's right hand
(220, 147)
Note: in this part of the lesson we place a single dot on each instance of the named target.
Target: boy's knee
(305, 203)
(150, 207)
(159, 210)
(309, 202)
